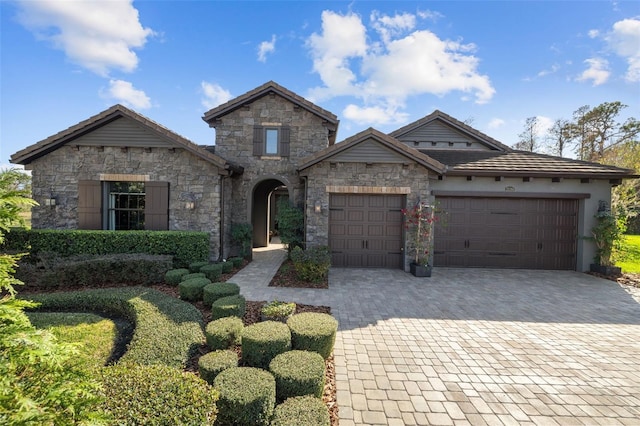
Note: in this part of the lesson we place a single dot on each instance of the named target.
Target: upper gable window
(271, 141)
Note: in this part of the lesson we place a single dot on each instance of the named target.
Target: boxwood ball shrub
(262, 341)
(174, 276)
(212, 271)
(157, 395)
(313, 331)
(298, 373)
(227, 267)
(236, 261)
(224, 332)
(247, 396)
(228, 306)
(195, 266)
(301, 410)
(191, 290)
(215, 291)
(193, 275)
(213, 363)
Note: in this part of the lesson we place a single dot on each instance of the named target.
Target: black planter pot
(420, 270)
(605, 270)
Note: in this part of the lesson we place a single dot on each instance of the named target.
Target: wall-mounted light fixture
(50, 202)
(190, 205)
(317, 207)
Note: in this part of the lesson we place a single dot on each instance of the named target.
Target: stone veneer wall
(378, 178)
(57, 174)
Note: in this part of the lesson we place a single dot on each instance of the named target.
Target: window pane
(271, 137)
(126, 206)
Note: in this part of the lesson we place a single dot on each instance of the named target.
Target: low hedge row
(228, 306)
(298, 373)
(311, 264)
(91, 271)
(174, 276)
(262, 341)
(185, 247)
(192, 289)
(167, 330)
(214, 363)
(247, 396)
(301, 410)
(215, 291)
(313, 331)
(224, 332)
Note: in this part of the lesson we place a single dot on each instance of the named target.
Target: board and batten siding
(123, 132)
(439, 135)
(369, 151)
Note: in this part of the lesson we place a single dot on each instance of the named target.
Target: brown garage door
(507, 233)
(365, 231)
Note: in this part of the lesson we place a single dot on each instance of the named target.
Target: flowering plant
(419, 221)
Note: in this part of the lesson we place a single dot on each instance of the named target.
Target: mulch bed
(286, 277)
(624, 279)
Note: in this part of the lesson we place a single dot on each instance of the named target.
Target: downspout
(221, 242)
(304, 240)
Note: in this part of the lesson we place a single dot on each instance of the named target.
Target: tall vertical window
(126, 201)
(271, 137)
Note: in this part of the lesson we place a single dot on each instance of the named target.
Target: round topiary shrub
(301, 410)
(215, 291)
(227, 267)
(224, 332)
(298, 373)
(212, 271)
(195, 266)
(213, 363)
(261, 342)
(247, 396)
(228, 306)
(237, 261)
(277, 311)
(193, 275)
(174, 276)
(191, 290)
(156, 394)
(313, 331)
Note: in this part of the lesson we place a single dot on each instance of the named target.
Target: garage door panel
(354, 230)
(375, 216)
(375, 231)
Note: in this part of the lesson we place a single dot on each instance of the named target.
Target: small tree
(290, 225)
(419, 223)
(242, 235)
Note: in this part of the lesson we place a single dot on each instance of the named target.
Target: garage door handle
(539, 246)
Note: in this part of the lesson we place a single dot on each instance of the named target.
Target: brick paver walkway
(475, 347)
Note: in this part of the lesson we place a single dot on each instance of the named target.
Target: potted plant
(419, 222)
(605, 234)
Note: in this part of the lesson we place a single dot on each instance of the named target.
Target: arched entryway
(264, 201)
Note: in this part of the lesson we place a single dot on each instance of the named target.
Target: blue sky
(372, 63)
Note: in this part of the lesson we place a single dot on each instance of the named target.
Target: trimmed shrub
(228, 306)
(261, 342)
(212, 271)
(226, 267)
(311, 264)
(195, 266)
(192, 275)
(313, 331)
(167, 330)
(224, 332)
(277, 311)
(213, 363)
(192, 289)
(174, 276)
(236, 261)
(301, 410)
(157, 395)
(298, 373)
(247, 396)
(215, 291)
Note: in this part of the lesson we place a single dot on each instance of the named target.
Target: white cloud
(124, 92)
(598, 71)
(98, 35)
(383, 73)
(624, 39)
(214, 95)
(593, 33)
(266, 47)
(496, 123)
(375, 114)
(554, 68)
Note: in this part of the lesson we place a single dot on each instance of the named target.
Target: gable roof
(273, 87)
(107, 116)
(522, 163)
(381, 138)
(456, 124)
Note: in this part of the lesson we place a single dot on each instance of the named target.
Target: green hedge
(214, 363)
(311, 264)
(192, 275)
(185, 247)
(192, 288)
(156, 395)
(213, 271)
(95, 271)
(174, 276)
(262, 341)
(227, 267)
(302, 410)
(228, 306)
(236, 261)
(298, 373)
(313, 331)
(224, 332)
(167, 330)
(195, 266)
(247, 396)
(215, 291)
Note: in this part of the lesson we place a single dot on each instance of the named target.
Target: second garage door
(507, 233)
(366, 230)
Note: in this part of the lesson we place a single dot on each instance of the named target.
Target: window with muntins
(126, 206)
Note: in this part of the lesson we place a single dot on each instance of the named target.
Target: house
(505, 208)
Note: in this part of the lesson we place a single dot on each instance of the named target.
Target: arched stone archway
(262, 207)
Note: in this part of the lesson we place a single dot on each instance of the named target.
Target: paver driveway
(472, 346)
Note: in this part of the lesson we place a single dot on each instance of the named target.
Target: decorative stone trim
(368, 189)
(124, 178)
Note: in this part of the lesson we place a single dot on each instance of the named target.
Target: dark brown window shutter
(285, 136)
(156, 206)
(258, 140)
(89, 204)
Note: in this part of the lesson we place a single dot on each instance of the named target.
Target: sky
(380, 64)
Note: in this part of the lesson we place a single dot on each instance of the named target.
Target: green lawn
(629, 256)
(96, 334)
